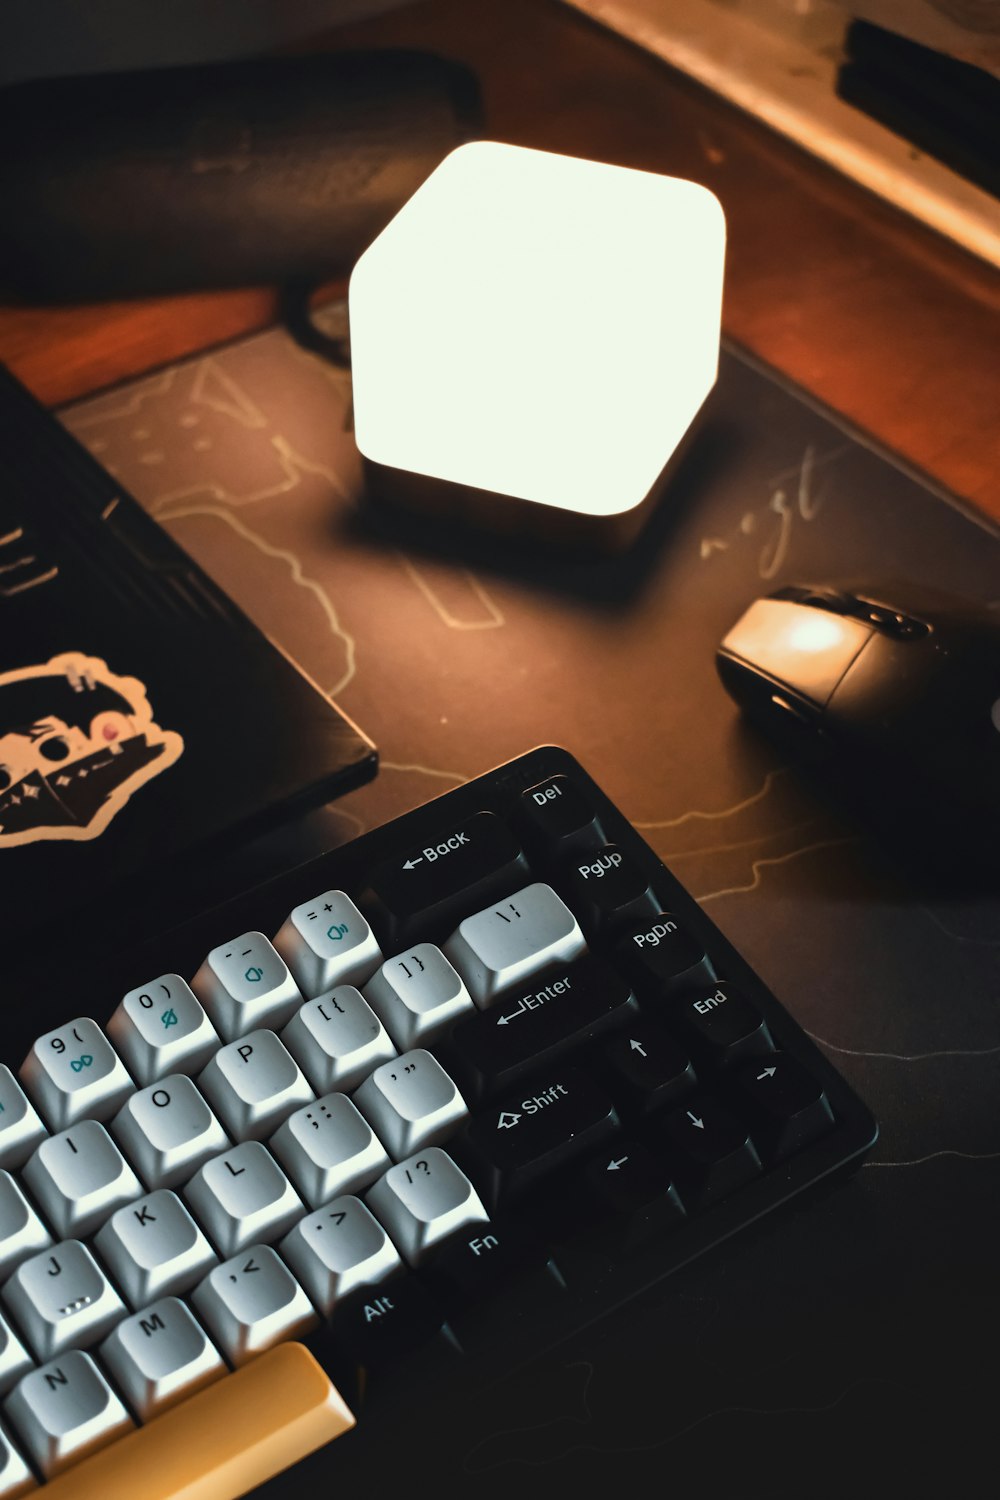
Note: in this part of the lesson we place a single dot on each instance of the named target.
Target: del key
(454, 871)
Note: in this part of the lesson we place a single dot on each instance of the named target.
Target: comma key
(425, 889)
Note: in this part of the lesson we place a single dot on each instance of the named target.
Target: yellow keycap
(222, 1441)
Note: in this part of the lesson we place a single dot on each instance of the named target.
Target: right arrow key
(786, 1106)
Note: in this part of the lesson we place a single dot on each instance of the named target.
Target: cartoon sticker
(76, 741)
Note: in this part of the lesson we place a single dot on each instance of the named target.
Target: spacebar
(221, 1442)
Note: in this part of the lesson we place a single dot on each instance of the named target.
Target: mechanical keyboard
(330, 1158)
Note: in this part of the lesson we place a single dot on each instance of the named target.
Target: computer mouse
(895, 689)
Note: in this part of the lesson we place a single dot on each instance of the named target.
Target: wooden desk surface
(876, 316)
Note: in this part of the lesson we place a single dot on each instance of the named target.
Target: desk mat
(852, 1345)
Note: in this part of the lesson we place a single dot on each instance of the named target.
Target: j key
(609, 890)
(251, 1302)
(785, 1105)
(167, 1131)
(339, 1249)
(505, 943)
(73, 1072)
(153, 1248)
(709, 1149)
(538, 1022)
(15, 1361)
(647, 1070)
(253, 1084)
(327, 942)
(522, 1137)
(417, 995)
(244, 984)
(410, 1103)
(456, 869)
(243, 1198)
(63, 1411)
(20, 1127)
(720, 1024)
(557, 819)
(161, 1028)
(78, 1178)
(160, 1355)
(337, 1039)
(61, 1299)
(423, 1201)
(22, 1232)
(661, 957)
(15, 1476)
(328, 1148)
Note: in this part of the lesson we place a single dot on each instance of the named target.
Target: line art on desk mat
(281, 554)
(776, 859)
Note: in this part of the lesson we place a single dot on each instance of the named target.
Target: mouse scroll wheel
(891, 622)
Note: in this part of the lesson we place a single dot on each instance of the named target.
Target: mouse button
(796, 646)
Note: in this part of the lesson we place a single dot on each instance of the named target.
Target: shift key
(458, 868)
(525, 1136)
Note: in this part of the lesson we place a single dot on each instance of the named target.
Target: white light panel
(539, 327)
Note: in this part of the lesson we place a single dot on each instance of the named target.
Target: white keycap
(253, 1084)
(78, 1178)
(417, 995)
(337, 1039)
(22, 1232)
(327, 942)
(74, 1072)
(506, 942)
(162, 1028)
(15, 1476)
(153, 1248)
(62, 1299)
(160, 1355)
(245, 984)
(167, 1131)
(251, 1302)
(65, 1410)
(338, 1249)
(15, 1360)
(329, 1148)
(243, 1198)
(411, 1102)
(21, 1128)
(424, 1200)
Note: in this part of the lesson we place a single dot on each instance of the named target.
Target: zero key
(453, 872)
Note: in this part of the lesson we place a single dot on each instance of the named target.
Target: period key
(454, 871)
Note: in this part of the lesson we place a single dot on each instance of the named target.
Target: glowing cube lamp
(532, 336)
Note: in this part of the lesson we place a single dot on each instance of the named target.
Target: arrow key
(647, 1069)
(629, 1190)
(785, 1104)
(708, 1149)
